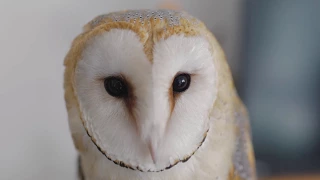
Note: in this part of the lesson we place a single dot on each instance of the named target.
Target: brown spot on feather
(78, 142)
(130, 99)
(232, 175)
(171, 100)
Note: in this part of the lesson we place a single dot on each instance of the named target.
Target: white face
(150, 126)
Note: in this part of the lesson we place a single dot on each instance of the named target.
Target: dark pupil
(115, 86)
(181, 82)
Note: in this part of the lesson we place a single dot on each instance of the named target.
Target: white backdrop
(34, 38)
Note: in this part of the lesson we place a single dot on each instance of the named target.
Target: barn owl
(149, 95)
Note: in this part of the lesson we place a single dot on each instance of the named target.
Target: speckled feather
(144, 17)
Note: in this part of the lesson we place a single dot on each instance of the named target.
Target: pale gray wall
(34, 37)
(282, 82)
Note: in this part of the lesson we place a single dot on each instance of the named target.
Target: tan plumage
(227, 152)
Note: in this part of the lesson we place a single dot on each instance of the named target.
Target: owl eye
(181, 82)
(115, 86)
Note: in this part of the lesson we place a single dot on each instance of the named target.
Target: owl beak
(152, 153)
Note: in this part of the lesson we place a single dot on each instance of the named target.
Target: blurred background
(273, 48)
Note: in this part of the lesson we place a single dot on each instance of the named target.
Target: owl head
(142, 87)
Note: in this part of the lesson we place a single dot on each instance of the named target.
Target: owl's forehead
(149, 25)
(147, 19)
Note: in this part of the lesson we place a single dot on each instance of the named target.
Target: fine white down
(173, 134)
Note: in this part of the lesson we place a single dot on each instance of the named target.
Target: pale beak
(152, 152)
